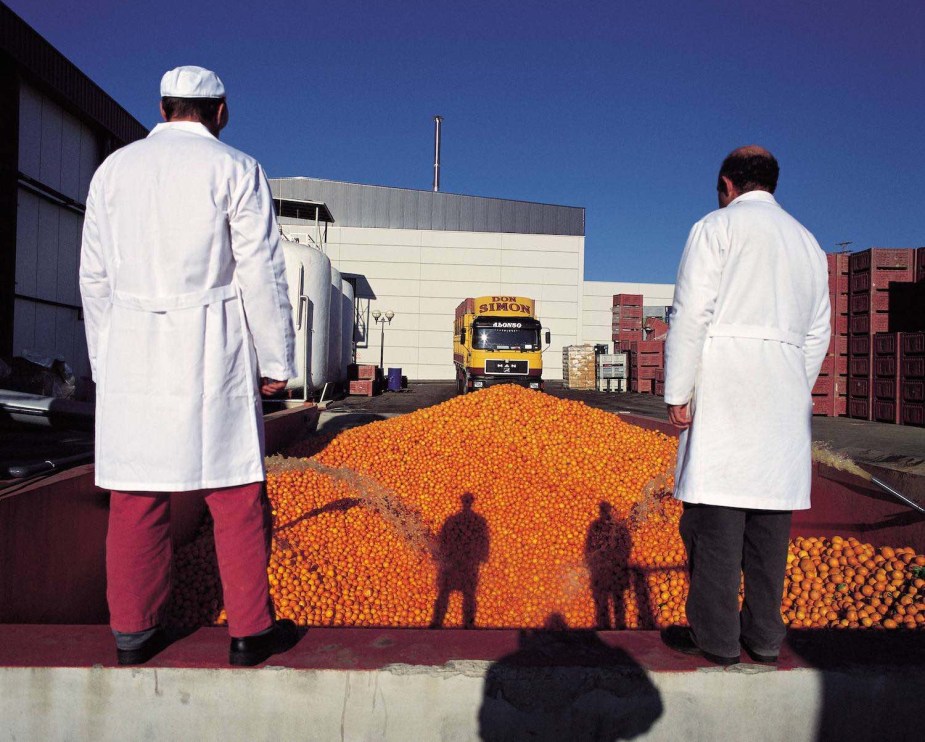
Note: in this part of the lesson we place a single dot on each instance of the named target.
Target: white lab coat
(749, 330)
(186, 306)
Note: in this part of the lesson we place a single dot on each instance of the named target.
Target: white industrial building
(419, 253)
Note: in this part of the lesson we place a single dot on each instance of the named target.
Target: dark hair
(755, 170)
(202, 108)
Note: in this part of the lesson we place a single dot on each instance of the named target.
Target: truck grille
(506, 367)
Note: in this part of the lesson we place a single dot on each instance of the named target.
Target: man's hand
(271, 387)
(680, 415)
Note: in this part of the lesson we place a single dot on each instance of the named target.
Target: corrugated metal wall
(356, 205)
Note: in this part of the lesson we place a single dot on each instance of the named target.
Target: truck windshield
(506, 338)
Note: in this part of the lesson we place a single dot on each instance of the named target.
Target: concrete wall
(422, 275)
(463, 700)
(598, 300)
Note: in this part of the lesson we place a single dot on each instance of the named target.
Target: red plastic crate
(839, 324)
(627, 336)
(829, 405)
(869, 301)
(838, 262)
(634, 325)
(913, 413)
(859, 409)
(361, 371)
(882, 257)
(858, 388)
(886, 367)
(912, 368)
(659, 388)
(920, 264)
(627, 311)
(879, 279)
(868, 324)
(642, 386)
(859, 366)
(627, 300)
(886, 389)
(364, 388)
(824, 385)
(860, 345)
(887, 343)
(660, 374)
(885, 411)
(913, 390)
(913, 344)
(838, 344)
(643, 372)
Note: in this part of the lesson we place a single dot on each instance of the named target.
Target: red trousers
(138, 553)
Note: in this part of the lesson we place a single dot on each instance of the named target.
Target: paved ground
(896, 447)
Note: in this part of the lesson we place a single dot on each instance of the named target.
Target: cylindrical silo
(335, 328)
(308, 273)
(348, 316)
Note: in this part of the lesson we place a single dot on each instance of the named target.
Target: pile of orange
(499, 509)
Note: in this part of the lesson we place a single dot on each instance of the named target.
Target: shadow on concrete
(566, 685)
(870, 682)
(461, 548)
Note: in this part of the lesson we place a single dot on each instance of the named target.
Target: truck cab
(498, 340)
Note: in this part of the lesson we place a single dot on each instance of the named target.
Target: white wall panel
(489, 274)
(374, 237)
(89, 161)
(388, 287)
(459, 240)
(46, 282)
(458, 289)
(374, 270)
(379, 253)
(459, 256)
(529, 259)
(70, 156)
(30, 132)
(541, 275)
(27, 240)
(23, 326)
(52, 125)
(68, 255)
(542, 243)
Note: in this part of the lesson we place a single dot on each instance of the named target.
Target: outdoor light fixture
(382, 321)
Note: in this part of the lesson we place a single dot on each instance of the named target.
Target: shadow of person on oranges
(461, 548)
(567, 684)
(617, 588)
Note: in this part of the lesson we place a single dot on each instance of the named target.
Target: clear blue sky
(625, 108)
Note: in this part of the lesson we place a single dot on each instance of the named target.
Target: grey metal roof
(356, 205)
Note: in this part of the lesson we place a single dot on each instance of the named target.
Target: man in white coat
(749, 331)
(186, 310)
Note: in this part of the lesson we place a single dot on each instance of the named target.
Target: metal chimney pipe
(438, 120)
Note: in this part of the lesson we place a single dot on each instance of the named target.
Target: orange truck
(498, 340)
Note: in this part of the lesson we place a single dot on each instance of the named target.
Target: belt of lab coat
(176, 301)
(756, 332)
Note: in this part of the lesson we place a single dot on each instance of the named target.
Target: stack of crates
(612, 372)
(363, 379)
(647, 358)
(870, 274)
(912, 378)
(831, 389)
(886, 386)
(579, 367)
(660, 383)
(626, 324)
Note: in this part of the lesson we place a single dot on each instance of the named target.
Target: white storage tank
(308, 273)
(348, 316)
(336, 369)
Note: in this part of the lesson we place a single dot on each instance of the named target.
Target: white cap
(191, 82)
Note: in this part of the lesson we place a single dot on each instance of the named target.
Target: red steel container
(876, 258)
(628, 300)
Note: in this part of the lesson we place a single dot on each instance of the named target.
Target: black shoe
(769, 659)
(680, 639)
(252, 650)
(156, 643)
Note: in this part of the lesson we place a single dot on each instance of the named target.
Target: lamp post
(381, 320)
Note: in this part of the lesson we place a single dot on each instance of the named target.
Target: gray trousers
(722, 545)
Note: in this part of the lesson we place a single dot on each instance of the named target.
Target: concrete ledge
(497, 685)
